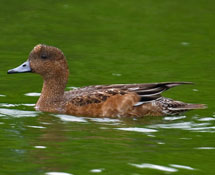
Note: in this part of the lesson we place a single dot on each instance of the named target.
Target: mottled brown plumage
(119, 100)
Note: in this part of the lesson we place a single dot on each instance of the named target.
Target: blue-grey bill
(25, 67)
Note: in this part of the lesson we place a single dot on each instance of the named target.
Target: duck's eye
(43, 56)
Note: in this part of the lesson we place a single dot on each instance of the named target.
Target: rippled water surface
(108, 42)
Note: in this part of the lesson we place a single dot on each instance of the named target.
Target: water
(108, 42)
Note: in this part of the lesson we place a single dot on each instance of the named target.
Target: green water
(107, 42)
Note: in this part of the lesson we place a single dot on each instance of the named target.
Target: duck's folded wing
(145, 86)
(147, 92)
(100, 93)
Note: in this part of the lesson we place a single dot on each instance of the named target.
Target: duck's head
(48, 61)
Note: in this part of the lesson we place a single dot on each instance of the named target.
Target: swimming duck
(118, 100)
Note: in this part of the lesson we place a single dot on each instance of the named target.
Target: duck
(115, 100)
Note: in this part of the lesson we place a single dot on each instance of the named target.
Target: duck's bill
(25, 67)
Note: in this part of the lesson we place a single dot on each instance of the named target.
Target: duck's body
(119, 100)
(115, 101)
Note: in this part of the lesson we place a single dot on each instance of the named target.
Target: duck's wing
(147, 92)
(100, 93)
(91, 95)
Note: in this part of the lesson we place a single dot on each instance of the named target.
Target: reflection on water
(192, 126)
(68, 118)
(33, 94)
(54, 142)
(14, 105)
(205, 148)
(163, 168)
(137, 129)
(206, 119)
(97, 170)
(105, 120)
(40, 147)
(152, 166)
(174, 118)
(182, 167)
(17, 113)
(38, 127)
(57, 173)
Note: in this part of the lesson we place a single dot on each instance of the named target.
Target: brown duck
(118, 100)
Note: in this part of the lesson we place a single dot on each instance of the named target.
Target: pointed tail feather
(172, 107)
(186, 107)
(189, 106)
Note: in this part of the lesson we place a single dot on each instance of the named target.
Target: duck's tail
(172, 107)
(190, 106)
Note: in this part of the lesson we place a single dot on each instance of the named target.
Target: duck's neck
(52, 93)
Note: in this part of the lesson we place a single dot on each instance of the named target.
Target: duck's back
(124, 100)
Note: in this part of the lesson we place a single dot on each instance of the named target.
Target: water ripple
(7, 105)
(104, 120)
(174, 118)
(96, 170)
(152, 166)
(57, 173)
(40, 147)
(18, 113)
(191, 126)
(205, 148)
(206, 119)
(182, 167)
(70, 118)
(38, 127)
(14, 105)
(135, 129)
(33, 94)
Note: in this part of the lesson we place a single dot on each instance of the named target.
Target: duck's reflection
(63, 145)
(48, 146)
